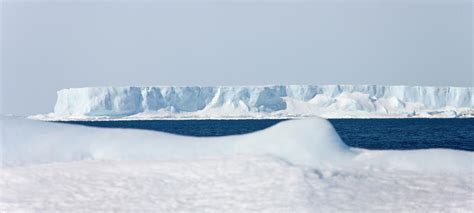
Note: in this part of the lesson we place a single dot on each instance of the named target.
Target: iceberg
(274, 101)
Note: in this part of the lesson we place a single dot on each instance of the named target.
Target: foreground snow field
(294, 166)
(227, 184)
(276, 101)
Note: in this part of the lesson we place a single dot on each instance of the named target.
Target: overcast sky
(46, 46)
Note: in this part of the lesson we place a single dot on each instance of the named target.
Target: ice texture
(264, 101)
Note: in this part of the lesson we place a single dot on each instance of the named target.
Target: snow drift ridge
(308, 142)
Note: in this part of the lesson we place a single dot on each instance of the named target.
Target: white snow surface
(294, 166)
(277, 101)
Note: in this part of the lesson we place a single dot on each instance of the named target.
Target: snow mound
(305, 142)
(308, 142)
(262, 102)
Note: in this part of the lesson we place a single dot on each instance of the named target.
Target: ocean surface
(364, 133)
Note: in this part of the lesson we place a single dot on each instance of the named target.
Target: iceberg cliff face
(265, 101)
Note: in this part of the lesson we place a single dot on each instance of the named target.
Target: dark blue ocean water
(363, 133)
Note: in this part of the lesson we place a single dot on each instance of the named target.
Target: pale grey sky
(48, 45)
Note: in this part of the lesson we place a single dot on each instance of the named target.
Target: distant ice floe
(236, 102)
(294, 166)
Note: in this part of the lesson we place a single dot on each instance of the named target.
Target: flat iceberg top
(273, 101)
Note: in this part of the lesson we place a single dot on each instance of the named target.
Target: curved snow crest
(308, 142)
(263, 102)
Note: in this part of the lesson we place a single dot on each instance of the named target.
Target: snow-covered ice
(330, 101)
(294, 166)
